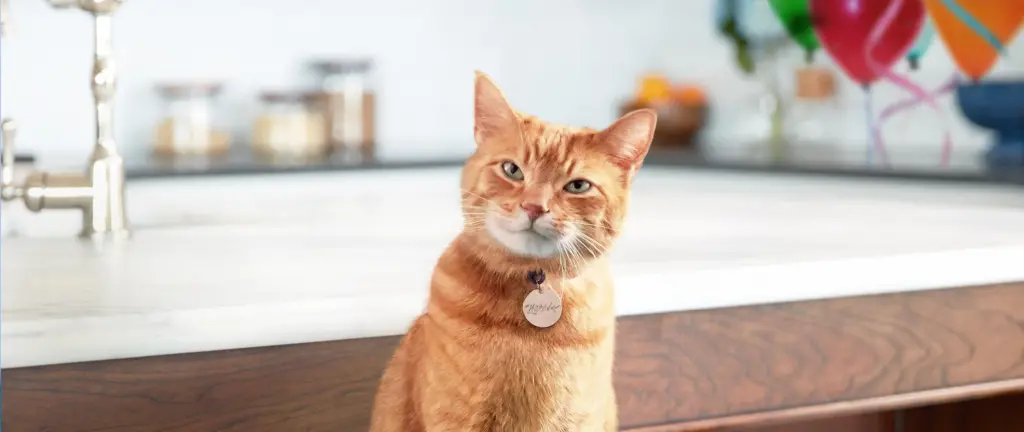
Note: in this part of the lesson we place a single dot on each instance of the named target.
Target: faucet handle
(62, 4)
(7, 189)
(91, 6)
(10, 129)
(5, 19)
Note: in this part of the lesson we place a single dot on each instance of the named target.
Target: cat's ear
(493, 117)
(628, 139)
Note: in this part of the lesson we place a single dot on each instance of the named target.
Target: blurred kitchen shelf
(249, 164)
(830, 161)
(810, 160)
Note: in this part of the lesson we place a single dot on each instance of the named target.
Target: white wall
(569, 61)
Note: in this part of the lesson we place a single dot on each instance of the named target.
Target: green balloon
(796, 18)
(728, 25)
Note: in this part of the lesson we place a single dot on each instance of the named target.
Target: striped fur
(472, 362)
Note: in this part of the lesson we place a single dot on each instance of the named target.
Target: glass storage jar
(347, 100)
(290, 126)
(814, 114)
(189, 126)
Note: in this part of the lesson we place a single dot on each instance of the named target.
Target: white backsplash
(569, 61)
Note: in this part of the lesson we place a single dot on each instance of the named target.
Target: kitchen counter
(272, 272)
(763, 282)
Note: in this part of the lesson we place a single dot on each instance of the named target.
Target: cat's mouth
(538, 239)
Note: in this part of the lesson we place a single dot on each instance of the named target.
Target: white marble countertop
(354, 259)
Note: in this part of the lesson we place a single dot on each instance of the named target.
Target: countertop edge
(110, 337)
(665, 158)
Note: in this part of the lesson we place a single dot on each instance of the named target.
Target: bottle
(814, 112)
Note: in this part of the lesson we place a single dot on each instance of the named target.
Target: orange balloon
(973, 54)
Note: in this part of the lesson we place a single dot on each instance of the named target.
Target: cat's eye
(577, 186)
(512, 170)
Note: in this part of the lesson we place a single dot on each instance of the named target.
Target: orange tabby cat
(535, 196)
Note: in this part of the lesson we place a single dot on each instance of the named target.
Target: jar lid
(341, 66)
(196, 88)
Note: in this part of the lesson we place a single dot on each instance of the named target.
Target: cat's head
(546, 192)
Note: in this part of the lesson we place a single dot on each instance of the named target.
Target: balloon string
(873, 143)
(975, 25)
(867, 122)
(873, 39)
(891, 110)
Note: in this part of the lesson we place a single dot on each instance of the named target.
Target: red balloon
(844, 28)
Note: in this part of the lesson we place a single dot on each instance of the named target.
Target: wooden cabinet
(996, 414)
(992, 414)
(838, 365)
(871, 422)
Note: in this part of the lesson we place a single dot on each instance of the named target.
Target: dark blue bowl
(999, 106)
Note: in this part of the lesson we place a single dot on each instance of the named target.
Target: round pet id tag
(542, 307)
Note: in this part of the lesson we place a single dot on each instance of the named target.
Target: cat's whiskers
(604, 225)
(580, 260)
(595, 247)
(583, 242)
(475, 209)
(473, 220)
(574, 257)
(474, 194)
(474, 214)
(561, 264)
(474, 224)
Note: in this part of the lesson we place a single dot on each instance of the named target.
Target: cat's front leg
(605, 420)
(611, 424)
(391, 406)
(611, 417)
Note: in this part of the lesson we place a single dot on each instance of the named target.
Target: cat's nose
(533, 211)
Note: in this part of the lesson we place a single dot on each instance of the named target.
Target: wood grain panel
(677, 371)
(999, 414)
(308, 387)
(750, 364)
(871, 422)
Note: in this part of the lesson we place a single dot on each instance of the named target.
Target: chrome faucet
(3, 18)
(99, 191)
